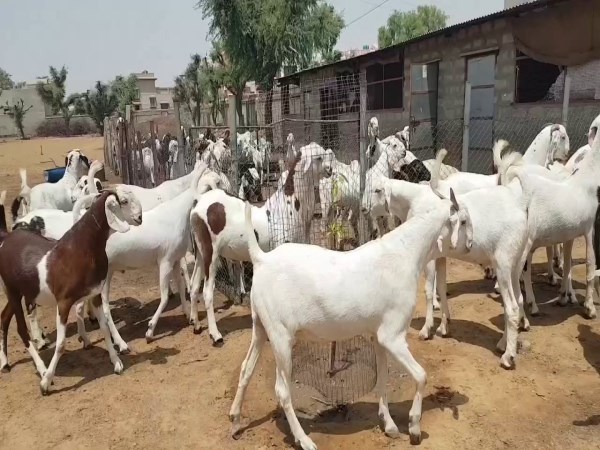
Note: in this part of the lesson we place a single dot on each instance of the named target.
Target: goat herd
(68, 238)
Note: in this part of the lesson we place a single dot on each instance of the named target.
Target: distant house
(514, 62)
(150, 95)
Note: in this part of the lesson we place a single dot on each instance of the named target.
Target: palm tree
(53, 94)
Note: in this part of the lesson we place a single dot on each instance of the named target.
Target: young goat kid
(299, 291)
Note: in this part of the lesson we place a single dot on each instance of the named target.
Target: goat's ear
(112, 208)
(453, 200)
(66, 161)
(98, 185)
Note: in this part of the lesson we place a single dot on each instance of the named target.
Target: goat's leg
(62, 315)
(552, 278)
(36, 332)
(5, 318)
(197, 277)
(164, 274)
(180, 282)
(259, 337)
(15, 299)
(186, 274)
(590, 265)
(207, 293)
(389, 426)
(102, 322)
(559, 256)
(529, 295)
(425, 332)
(440, 281)
(395, 344)
(282, 350)
(80, 315)
(508, 342)
(116, 336)
(566, 289)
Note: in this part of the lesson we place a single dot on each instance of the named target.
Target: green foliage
(126, 91)
(17, 112)
(402, 26)
(99, 103)
(260, 36)
(6, 81)
(190, 87)
(53, 94)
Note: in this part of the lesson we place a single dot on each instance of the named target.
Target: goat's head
(76, 163)
(311, 162)
(376, 197)
(593, 131)
(415, 172)
(460, 225)
(559, 143)
(328, 162)
(122, 209)
(396, 152)
(373, 134)
(404, 136)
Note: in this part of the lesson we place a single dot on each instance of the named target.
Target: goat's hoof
(122, 351)
(217, 342)
(590, 313)
(424, 335)
(392, 431)
(44, 387)
(5, 368)
(87, 345)
(552, 280)
(118, 368)
(149, 338)
(198, 330)
(442, 332)
(507, 362)
(524, 326)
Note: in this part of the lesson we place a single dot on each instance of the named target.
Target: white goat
(495, 233)
(83, 187)
(161, 240)
(559, 212)
(298, 291)
(217, 223)
(176, 160)
(58, 195)
(147, 162)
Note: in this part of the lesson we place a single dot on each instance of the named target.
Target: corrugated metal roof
(515, 10)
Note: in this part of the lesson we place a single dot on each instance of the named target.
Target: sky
(98, 40)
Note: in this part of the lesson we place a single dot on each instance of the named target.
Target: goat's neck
(382, 166)
(416, 240)
(404, 195)
(70, 178)
(540, 151)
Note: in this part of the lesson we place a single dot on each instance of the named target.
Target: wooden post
(154, 153)
(362, 222)
(466, 124)
(566, 97)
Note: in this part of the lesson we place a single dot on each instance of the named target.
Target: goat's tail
(256, 253)
(499, 147)
(508, 161)
(22, 197)
(3, 227)
(435, 173)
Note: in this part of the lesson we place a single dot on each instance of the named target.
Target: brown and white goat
(62, 273)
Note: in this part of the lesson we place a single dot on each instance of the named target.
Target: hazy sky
(98, 40)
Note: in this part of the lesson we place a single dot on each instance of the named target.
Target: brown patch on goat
(288, 186)
(297, 204)
(72, 273)
(215, 214)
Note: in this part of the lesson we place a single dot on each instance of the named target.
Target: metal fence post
(362, 122)
(232, 122)
(566, 98)
(466, 124)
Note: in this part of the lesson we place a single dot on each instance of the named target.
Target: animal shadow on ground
(94, 363)
(361, 416)
(465, 331)
(590, 342)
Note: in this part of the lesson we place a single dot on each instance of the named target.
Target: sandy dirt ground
(176, 392)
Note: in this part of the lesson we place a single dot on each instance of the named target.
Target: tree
(99, 103)
(260, 36)
(189, 88)
(17, 112)
(225, 72)
(126, 91)
(6, 81)
(402, 26)
(53, 94)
